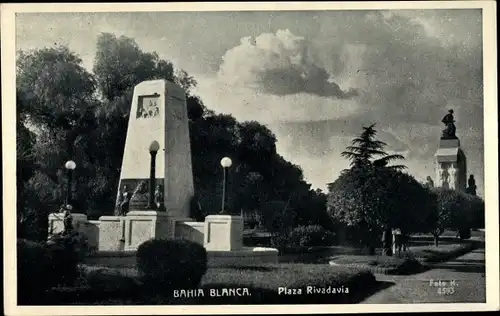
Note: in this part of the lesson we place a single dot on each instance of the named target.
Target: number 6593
(446, 291)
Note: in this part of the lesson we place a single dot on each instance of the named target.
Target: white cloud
(278, 64)
(245, 103)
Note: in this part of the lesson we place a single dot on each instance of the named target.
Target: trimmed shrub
(464, 233)
(165, 265)
(66, 252)
(33, 281)
(310, 236)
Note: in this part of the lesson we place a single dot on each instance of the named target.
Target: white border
(9, 163)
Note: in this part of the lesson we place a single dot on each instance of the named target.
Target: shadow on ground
(465, 268)
(471, 261)
(427, 241)
(377, 287)
(252, 268)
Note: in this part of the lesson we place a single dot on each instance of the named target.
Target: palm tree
(365, 147)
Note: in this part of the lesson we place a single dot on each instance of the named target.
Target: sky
(313, 77)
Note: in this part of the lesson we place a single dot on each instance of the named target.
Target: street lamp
(225, 163)
(70, 165)
(153, 150)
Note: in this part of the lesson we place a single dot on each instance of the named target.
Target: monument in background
(451, 165)
(156, 162)
(158, 114)
(156, 187)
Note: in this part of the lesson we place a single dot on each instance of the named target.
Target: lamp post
(153, 150)
(70, 165)
(225, 163)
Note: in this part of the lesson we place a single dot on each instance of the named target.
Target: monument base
(56, 222)
(451, 166)
(111, 233)
(141, 226)
(223, 233)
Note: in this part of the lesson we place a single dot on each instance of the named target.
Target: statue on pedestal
(471, 185)
(453, 173)
(445, 178)
(449, 122)
(68, 221)
(123, 201)
(160, 206)
(440, 176)
(65, 207)
(429, 184)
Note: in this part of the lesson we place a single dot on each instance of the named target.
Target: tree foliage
(365, 147)
(120, 64)
(372, 198)
(457, 210)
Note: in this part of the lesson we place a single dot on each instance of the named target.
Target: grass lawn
(424, 249)
(264, 284)
(391, 265)
(372, 261)
(421, 248)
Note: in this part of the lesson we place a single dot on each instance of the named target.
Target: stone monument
(155, 191)
(157, 156)
(451, 166)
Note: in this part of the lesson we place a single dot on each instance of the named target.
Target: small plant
(165, 265)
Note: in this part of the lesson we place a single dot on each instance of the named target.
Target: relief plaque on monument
(147, 106)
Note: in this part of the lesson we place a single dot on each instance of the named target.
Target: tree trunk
(387, 242)
(436, 240)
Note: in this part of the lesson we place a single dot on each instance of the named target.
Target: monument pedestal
(223, 233)
(451, 167)
(111, 233)
(56, 222)
(141, 226)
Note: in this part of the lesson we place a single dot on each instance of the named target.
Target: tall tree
(55, 112)
(57, 92)
(450, 206)
(365, 147)
(365, 196)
